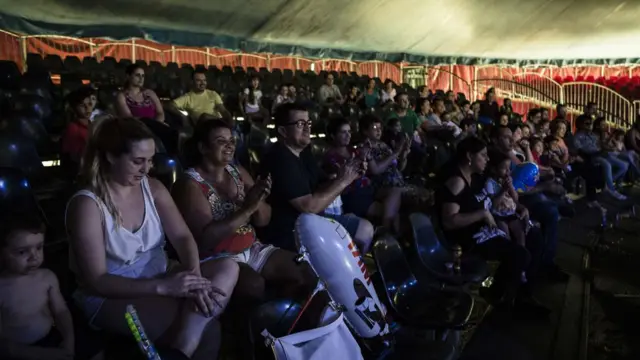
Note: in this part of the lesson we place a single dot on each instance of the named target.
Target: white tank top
(128, 253)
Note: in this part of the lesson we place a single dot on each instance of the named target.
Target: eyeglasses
(300, 124)
(225, 142)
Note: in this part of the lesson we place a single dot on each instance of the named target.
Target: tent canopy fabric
(522, 32)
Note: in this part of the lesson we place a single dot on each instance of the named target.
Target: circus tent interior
(535, 65)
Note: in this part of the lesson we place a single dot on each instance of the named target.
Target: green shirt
(409, 122)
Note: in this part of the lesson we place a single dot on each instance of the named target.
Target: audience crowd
(229, 223)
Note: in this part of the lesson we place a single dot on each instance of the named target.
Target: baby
(35, 322)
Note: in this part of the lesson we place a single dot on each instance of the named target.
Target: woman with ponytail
(117, 225)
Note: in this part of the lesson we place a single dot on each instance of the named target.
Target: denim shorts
(348, 222)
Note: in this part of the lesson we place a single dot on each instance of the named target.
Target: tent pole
(208, 53)
(133, 50)
(451, 77)
(23, 52)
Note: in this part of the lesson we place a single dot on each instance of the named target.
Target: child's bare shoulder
(46, 276)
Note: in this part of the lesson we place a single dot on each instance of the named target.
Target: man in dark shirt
(541, 208)
(298, 184)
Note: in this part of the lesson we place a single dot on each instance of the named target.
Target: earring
(469, 163)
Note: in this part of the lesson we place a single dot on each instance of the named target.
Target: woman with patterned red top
(360, 198)
(222, 203)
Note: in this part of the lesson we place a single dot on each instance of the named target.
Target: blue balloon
(525, 176)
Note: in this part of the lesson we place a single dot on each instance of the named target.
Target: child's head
(393, 125)
(21, 244)
(504, 119)
(552, 143)
(284, 90)
(526, 131)
(499, 165)
(81, 102)
(536, 145)
(543, 127)
(468, 125)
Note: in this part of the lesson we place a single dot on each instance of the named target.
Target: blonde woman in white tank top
(117, 225)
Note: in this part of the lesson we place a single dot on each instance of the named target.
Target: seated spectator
(521, 147)
(544, 115)
(588, 147)
(475, 109)
(385, 164)
(561, 116)
(117, 226)
(541, 208)
(447, 122)
(611, 146)
(298, 184)
(36, 322)
(221, 203)
(542, 129)
(469, 127)
(620, 150)
(423, 92)
(430, 123)
(452, 107)
(506, 108)
(329, 94)
(534, 116)
(430, 115)
(503, 120)
(537, 150)
(409, 121)
(136, 101)
(97, 114)
(591, 110)
(392, 134)
(360, 197)
(353, 97)
(388, 94)
(465, 108)
(464, 209)
(283, 97)
(526, 131)
(568, 166)
(632, 138)
(251, 103)
(371, 95)
(510, 216)
(143, 104)
(198, 101)
(76, 134)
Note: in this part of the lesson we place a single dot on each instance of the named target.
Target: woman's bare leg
(391, 201)
(297, 280)
(170, 320)
(250, 289)
(504, 227)
(516, 228)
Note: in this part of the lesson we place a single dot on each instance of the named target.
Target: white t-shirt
(252, 106)
(386, 96)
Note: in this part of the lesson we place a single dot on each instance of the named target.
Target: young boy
(35, 322)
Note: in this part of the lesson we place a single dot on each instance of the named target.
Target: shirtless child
(35, 322)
